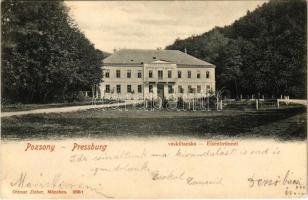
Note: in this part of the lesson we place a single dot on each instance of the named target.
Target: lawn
(284, 124)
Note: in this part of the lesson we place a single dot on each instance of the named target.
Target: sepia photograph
(153, 99)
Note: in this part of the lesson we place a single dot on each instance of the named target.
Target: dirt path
(67, 109)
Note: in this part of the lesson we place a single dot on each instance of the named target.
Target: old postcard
(153, 99)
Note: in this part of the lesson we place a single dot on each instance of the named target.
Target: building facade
(138, 74)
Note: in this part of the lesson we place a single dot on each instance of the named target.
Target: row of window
(118, 74)
(118, 89)
(190, 89)
(160, 74)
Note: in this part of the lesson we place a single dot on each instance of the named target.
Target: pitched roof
(140, 56)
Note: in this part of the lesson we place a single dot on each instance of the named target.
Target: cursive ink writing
(56, 182)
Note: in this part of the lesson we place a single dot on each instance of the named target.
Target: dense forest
(263, 52)
(45, 57)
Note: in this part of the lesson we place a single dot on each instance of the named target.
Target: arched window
(207, 74)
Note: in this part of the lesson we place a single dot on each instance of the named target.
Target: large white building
(137, 74)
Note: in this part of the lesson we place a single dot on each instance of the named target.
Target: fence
(261, 104)
(293, 101)
(210, 104)
(196, 104)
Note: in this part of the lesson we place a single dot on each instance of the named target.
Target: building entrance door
(160, 90)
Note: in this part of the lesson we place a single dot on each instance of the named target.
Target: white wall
(134, 81)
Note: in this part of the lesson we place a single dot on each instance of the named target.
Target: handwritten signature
(23, 181)
(286, 179)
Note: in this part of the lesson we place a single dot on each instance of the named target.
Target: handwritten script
(184, 170)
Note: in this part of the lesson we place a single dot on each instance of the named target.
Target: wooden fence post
(221, 105)
(208, 102)
(277, 103)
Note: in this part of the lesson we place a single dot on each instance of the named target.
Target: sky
(113, 25)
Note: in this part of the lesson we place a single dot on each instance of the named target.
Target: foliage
(45, 57)
(263, 52)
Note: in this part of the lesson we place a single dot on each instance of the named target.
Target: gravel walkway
(67, 109)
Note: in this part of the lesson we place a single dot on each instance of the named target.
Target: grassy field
(285, 123)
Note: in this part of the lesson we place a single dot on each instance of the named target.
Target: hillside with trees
(263, 52)
(45, 57)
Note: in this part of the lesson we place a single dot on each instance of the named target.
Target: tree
(232, 74)
(262, 52)
(45, 57)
